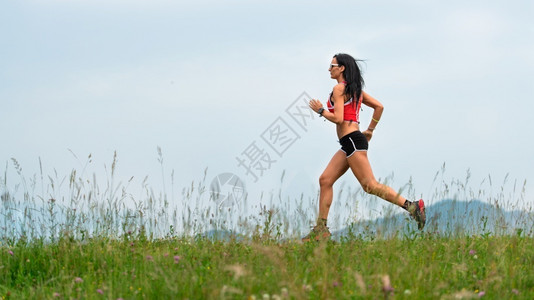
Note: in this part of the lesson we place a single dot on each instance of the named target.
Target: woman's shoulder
(340, 87)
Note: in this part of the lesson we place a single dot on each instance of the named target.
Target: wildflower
(515, 291)
(56, 295)
(78, 280)
(360, 282)
(306, 287)
(472, 252)
(238, 270)
(149, 258)
(266, 297)
(481, 294)
(166, 255)
(407, 292)
(101, 292)
(336, 284)
(284, 292)
(10, 252)
(386, 285)
(176, 259)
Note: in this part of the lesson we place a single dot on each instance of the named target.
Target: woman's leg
(336, 167)
(360, 166)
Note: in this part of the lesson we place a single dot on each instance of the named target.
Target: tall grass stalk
(75, 205)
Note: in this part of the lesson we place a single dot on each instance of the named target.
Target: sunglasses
(333, 65)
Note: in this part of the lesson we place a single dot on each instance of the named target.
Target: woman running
(343, 108)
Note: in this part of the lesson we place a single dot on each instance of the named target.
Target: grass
(422, 267)
(78, 238)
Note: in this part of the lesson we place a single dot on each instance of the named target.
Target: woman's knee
(371, 186)
(326, 181)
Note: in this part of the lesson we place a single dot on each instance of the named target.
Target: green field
(417, 267)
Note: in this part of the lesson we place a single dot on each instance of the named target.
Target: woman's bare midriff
(346, 127)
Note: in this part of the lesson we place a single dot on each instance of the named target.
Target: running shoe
(318, 233)
(417, 212)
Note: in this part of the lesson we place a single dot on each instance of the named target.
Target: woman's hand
(368, 134)
(315, 105)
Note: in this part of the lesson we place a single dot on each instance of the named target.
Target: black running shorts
(352, 142)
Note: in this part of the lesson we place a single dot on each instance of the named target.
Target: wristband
(320, 111)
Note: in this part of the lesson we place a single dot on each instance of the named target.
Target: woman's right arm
(338, 98)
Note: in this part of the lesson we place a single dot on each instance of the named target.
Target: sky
(220, 87)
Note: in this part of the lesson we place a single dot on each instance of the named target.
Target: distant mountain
(449, 217)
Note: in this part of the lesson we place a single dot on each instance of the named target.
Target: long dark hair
(352, 75)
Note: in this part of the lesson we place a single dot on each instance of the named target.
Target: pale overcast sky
(207, 80)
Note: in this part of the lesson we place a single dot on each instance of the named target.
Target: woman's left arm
(378, 108)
